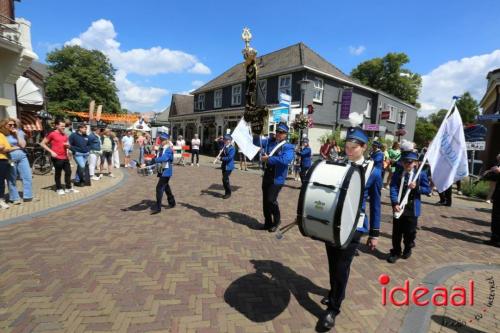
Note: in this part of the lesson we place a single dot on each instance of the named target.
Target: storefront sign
(345, 108)
(384, 115)
(207, 119)
(486, 117)
(476, 145)
(371, 127)
(279, 113)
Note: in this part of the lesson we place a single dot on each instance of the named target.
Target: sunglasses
(408, 161)
(11, 125)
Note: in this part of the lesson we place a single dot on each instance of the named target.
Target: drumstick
(283, 230)
(218, 155)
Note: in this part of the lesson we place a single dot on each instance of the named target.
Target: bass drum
(330, 202)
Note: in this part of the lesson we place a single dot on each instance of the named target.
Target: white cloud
(101, 35)
(356, 50)
(197, 83)
(49, 46)
(454, 78)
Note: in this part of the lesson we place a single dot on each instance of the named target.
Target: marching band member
(163, 159)
(305, 159)
(377, 155)
(277, 155)
(406, 226)
(227, 158)
(339, 260)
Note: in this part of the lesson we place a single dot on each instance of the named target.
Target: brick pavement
(109, 266)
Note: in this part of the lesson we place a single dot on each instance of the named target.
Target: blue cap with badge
(164, 136)
(357, 135)
(282, 127)
(409, 156)
(228, 137)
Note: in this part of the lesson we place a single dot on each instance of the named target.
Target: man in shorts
(128, 147)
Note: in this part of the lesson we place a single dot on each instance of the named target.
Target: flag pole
(403, 203)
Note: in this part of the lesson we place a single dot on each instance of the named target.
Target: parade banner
(91, 109)
(98, 113)
(345, 108)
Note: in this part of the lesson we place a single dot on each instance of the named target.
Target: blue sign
(278, 113)
(475, 133)
(488, 117)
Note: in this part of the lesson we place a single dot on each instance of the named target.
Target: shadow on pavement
(235, 217)
(376, 253)
(484, 210)
(468, 219)
(212, 193)
(454, 325)
(143, 205)
(200, 210)
(453, 235)
(265, 294)
(219, 187)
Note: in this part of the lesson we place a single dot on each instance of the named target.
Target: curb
(27, 217)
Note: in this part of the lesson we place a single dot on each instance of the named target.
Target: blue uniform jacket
(280, 160)
(94, 142)
(305, 158)
(373, 188)
(166, 157)
(378, 159)
(423, 187)
(227, 158)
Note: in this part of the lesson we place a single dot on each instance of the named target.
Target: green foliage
(437, 118)
(388, 74)
(333, 135)
(468, 107)
(424, 132)
(480, 190)
(78, 76)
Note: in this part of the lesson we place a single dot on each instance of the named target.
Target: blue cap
(376, 144)
(228, 137)
(356, 134)
(282, 127)
(305, 140)
(164, 136)
(409, 156)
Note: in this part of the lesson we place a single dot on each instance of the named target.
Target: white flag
(243, 138)
(447, 155)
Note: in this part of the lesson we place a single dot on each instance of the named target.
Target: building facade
(491, 108)
(16, 55)
(219, 104)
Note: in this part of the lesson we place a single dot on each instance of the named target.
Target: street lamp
(401, 126)
(303, 87)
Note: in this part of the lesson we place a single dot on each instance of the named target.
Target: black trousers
(270, 192)
(495, 214)
(4, 172)
(302, 174)
(225, 181)
(60, 166)
(445, 197)
(161, 187)
(339, 265)
(195, 152)
(404, 228)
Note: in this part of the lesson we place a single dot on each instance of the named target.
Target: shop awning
(108, 117)
(27, 92)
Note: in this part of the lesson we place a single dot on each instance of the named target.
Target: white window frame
(263, 83)
(404, 116)
(200, 102)
(236, 98)
(319, 87)
(393, 113)
(217, 99)
(285, 89)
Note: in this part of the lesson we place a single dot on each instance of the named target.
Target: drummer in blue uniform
(163, 160)
(305, 159)
(227, 158)
(406, 226)
(377, 155)
(339, 260)
(277, 154)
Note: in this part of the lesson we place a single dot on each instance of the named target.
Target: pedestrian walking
(5, 150)
(80, 148)
(95, 151)
(195, 150)
(107, 148)
(128, 147)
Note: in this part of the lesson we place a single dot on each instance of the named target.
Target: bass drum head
(350, 207)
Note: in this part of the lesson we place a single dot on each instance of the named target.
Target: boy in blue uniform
(377, 155)
(227, 158)
(277, 154)
(406, 226)
(163, 159)
(339, 260)
(305, 159)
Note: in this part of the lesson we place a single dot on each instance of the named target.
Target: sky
(164, 47)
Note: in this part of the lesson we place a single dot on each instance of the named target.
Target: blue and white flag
(447, 155)
(285, 100)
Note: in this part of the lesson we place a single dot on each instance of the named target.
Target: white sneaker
(61, 192)
(100, 175)
(197, 164)
(3, 204)
(95, 178)
(488, 201)
(71, 190)
(111, 175)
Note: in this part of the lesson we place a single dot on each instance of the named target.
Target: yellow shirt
(5, 144)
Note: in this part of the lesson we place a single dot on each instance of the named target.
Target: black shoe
(492, 242)
(79, 184)
(325, 301)
(264, 227)
(393, 258)
(28, 200)
(356, 253)
(440, 203)
(327, 320)
(226, 196)
(155, 211)
(274, 227)
(406, 254)
(171, 205)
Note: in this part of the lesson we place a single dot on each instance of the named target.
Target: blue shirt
(227, 158)
(280, 159)
(305, 158)
(79, 143)
(94, 142)
(166, 156)
(17, 154)
(373, 190)
(378, 159)
(413, 206)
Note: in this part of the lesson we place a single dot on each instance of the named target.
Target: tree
(79, 76)
(468, 107)
(388, 74)
(437, 118)
(424, 132)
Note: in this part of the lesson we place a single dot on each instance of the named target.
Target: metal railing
(9, 30)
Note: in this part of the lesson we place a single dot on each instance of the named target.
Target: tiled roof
(181, 105)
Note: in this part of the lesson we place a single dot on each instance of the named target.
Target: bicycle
(41, 161)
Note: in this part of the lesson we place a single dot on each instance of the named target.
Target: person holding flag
(405, 227)
(227, 158)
